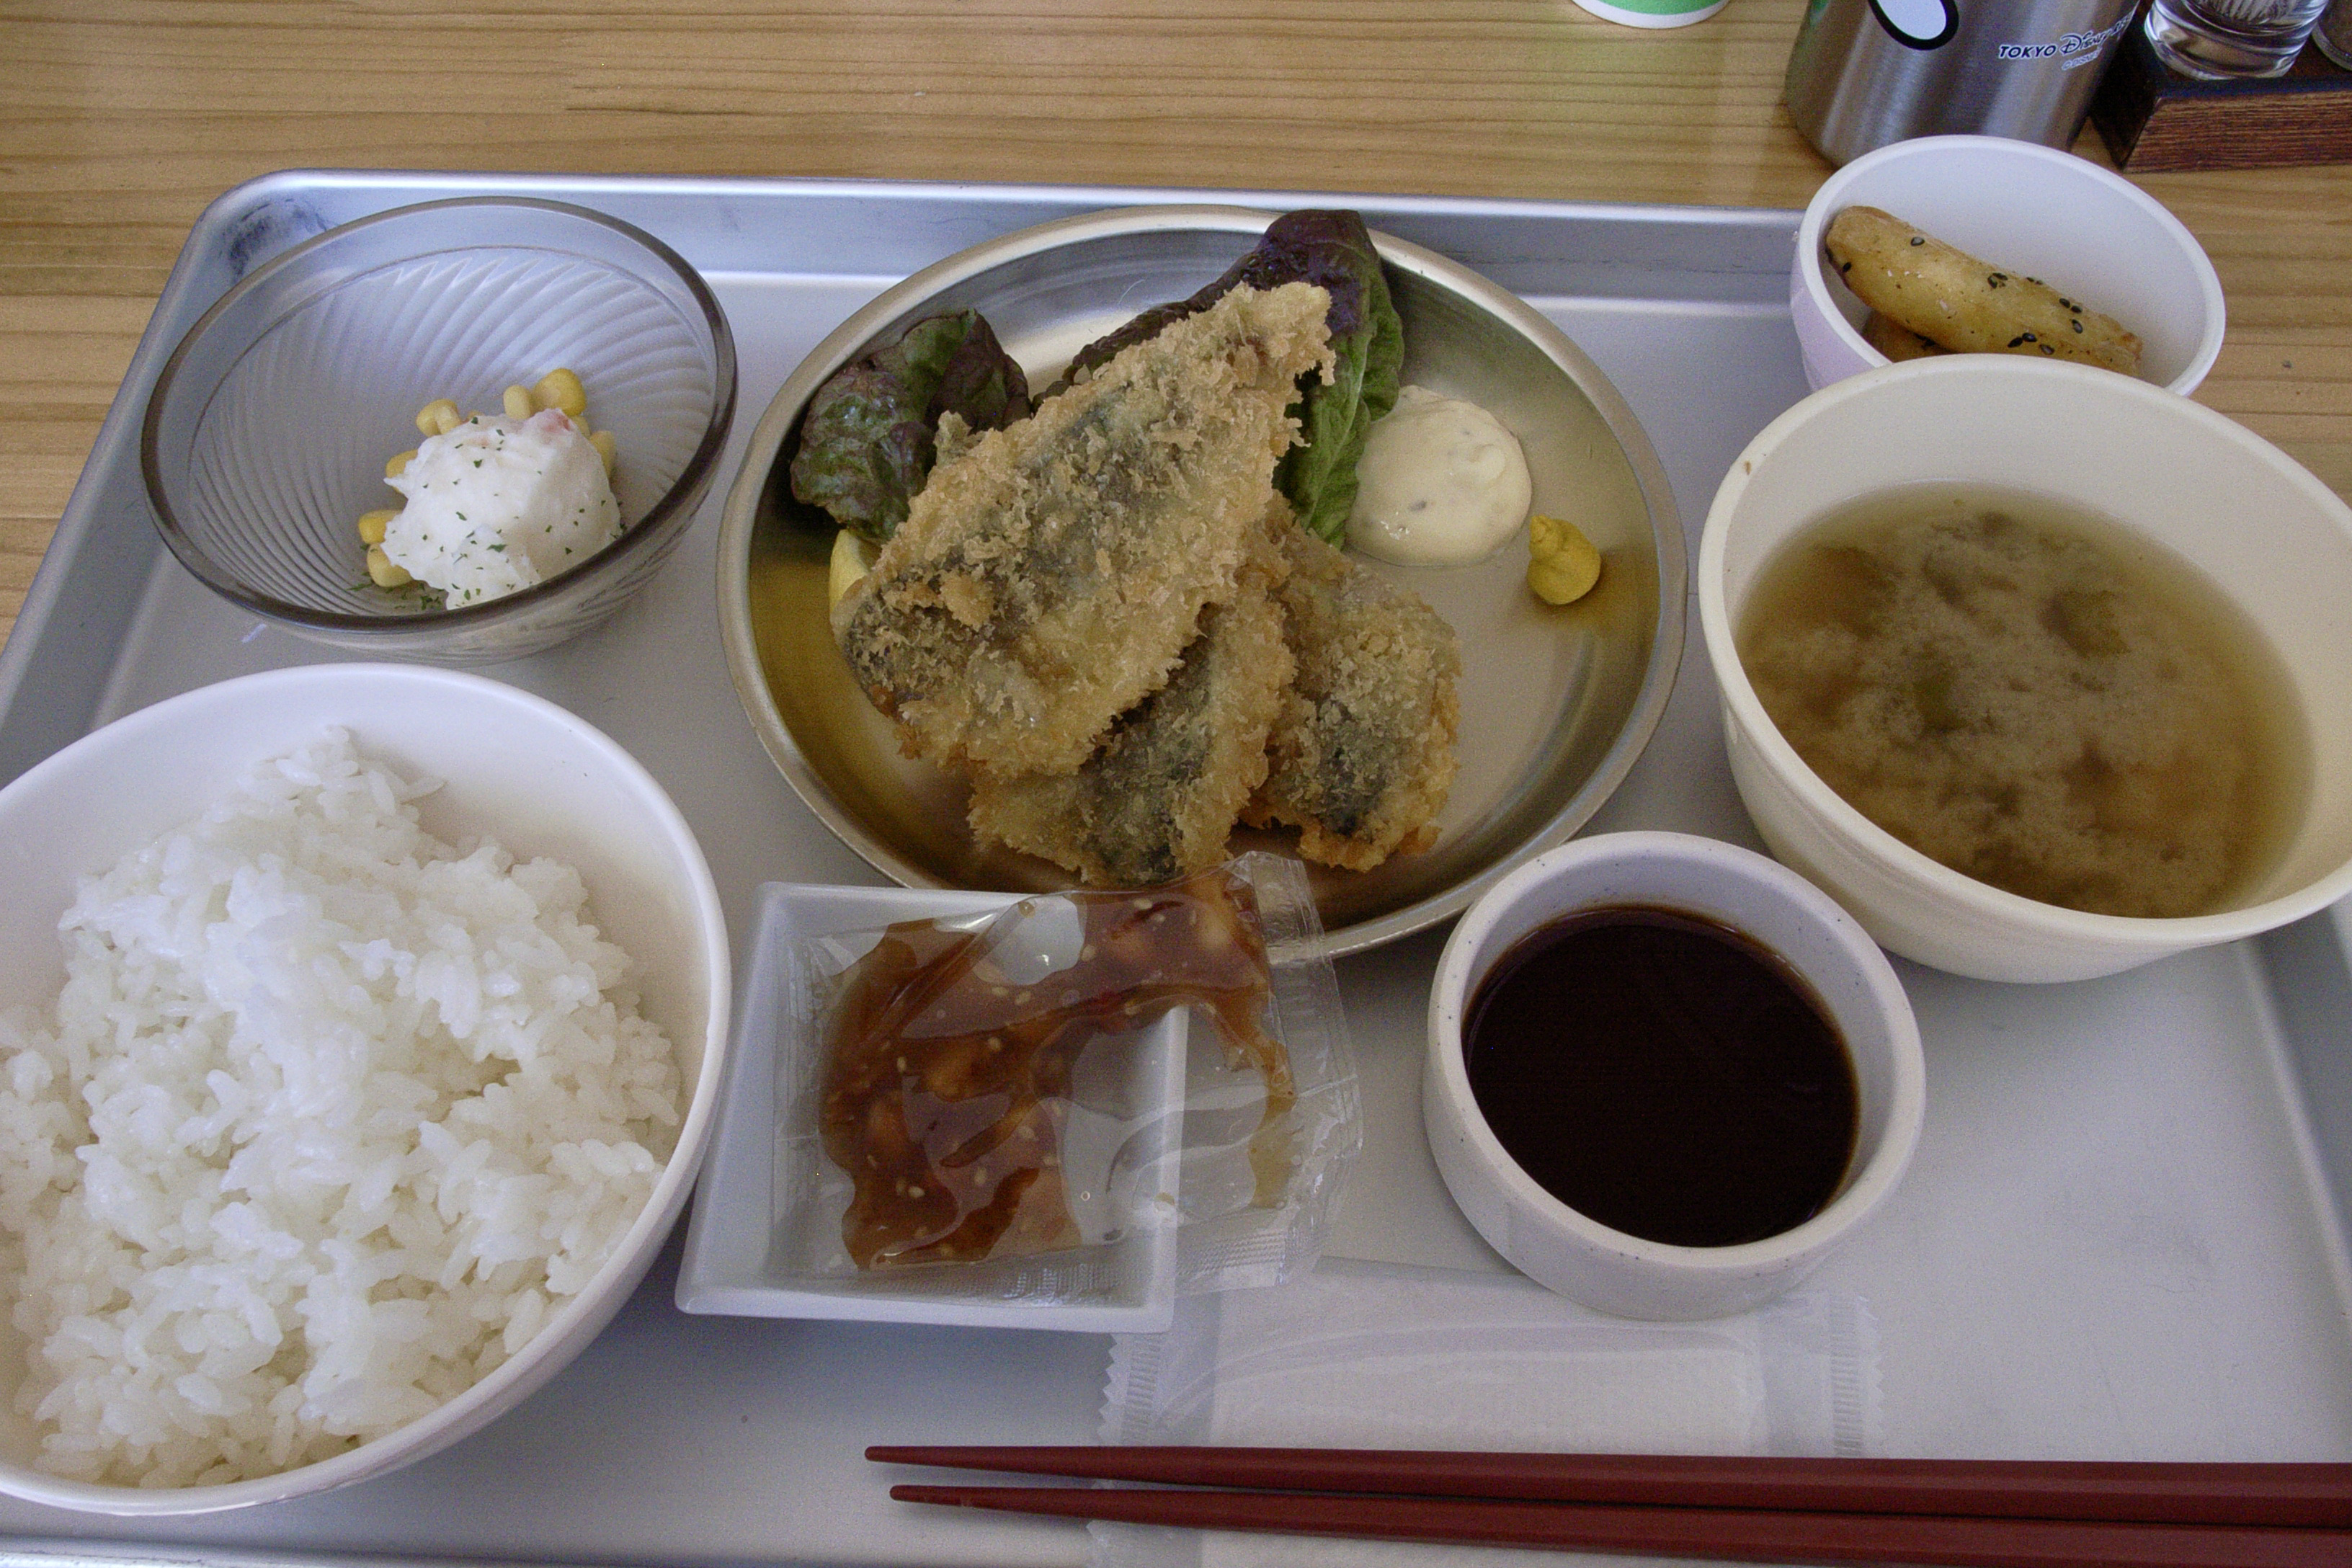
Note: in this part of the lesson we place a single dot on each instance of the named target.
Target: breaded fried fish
(1362, 753)
(1159, 797)
(1048, 577)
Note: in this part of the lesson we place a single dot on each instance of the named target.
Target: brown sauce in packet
(948, 1075)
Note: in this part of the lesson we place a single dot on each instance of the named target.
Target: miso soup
(2032, 695)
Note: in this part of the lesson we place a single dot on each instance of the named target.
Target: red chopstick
(2266, 1495)
(1744, 1534)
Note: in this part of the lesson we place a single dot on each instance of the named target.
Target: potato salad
(497, 503)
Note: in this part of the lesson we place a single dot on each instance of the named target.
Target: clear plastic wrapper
(1369, 1356)
(1001, 1104)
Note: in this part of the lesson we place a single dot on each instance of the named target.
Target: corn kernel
(561, 388)
(437, 417)
(371, 525)
(398, 463)
(606, 448)
(383, 573)
(517, 402)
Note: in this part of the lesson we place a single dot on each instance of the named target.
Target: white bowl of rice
(340, 1107)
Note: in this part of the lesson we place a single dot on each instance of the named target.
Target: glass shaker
(2215, 41)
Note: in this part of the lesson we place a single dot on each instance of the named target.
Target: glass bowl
(268, 432)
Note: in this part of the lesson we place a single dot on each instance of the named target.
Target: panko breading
(1048, 578)
(1158, 800)
(1363, 751)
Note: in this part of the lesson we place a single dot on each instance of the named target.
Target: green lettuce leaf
(1332, 250)
(869, 436)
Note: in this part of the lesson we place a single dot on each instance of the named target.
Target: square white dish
(759, 1243)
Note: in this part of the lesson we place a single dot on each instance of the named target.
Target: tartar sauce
(1442, 483)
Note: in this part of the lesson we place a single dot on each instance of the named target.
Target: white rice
(331, 1117)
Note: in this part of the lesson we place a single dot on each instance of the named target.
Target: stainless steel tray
(2121, 1238)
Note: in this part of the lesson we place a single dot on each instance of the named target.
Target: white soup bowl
(2271, 537)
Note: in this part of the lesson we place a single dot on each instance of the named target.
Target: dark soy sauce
(1664, 1074)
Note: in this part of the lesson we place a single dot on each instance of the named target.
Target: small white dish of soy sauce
(1667, 1076)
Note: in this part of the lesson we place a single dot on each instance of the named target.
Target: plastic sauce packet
(997, 1102)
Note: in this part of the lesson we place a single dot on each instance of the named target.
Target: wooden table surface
(120, 121)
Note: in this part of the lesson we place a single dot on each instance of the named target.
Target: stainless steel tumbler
(1867, 72)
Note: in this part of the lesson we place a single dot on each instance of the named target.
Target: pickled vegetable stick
(1971, 306)
(1898, 342)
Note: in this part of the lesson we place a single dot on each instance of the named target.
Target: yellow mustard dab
(1563, 564)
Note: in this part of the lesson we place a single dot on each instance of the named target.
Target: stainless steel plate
(1556, 702)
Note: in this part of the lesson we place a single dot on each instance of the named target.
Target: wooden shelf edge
(2153, 121)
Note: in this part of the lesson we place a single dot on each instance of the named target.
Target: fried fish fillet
(1048, 577)
(1162, 795)
(1362, 753)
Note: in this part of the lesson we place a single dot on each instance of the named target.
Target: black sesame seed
(2014, 341)
(2078, 326)
(1916, 240)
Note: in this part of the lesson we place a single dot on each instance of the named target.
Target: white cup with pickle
(1982, 244)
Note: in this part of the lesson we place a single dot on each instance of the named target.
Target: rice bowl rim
(563, 1333)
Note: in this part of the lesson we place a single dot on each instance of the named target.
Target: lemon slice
(852, 558)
